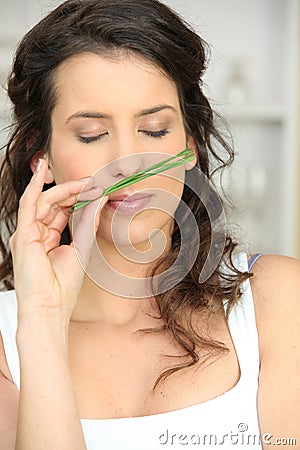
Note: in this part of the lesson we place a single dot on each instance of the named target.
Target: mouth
(129, 204)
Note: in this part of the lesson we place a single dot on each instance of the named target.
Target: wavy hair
(153, 31)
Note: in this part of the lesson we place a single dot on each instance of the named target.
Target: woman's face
(113, 118)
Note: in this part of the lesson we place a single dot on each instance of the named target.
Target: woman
(99, 88)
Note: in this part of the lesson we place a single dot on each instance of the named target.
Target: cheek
(66, 167)
(172, 182)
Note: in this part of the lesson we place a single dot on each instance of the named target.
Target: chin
(144, 235)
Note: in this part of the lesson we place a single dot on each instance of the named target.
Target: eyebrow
(154, 110)
(98, 115)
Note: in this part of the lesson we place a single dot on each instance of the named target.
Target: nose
(126, 166)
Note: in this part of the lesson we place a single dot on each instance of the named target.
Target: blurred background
(253, 82)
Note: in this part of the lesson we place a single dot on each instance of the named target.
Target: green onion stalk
(186, 155)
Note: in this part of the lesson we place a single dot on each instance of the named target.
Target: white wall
(262, 36)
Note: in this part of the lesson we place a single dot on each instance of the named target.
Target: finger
(53, 240)
(68, 189)
(33, 191)
(84, 229)
(28, 201)
(59, 221)
(47, 212)
(64, 195)
(91, 194)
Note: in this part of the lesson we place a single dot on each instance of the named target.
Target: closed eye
(90, 139)
(156, 134)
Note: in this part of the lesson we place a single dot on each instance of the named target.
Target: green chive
(185, 155)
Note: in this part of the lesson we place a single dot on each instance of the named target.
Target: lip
(129, 197)
(129, 204)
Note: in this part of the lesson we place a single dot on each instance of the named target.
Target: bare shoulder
(275, 275)
(276, 292)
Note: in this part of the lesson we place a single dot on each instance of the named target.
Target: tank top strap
(242, 325)
(252, 260)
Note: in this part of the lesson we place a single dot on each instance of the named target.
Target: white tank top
(229, 421)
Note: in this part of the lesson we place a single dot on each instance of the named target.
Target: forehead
(90, 78)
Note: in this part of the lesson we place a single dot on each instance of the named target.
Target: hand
(48, 277)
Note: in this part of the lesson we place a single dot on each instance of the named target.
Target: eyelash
(90, 139)
(154, 134)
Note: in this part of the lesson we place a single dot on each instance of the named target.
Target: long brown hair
(151, 30)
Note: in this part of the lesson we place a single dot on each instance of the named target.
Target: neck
(115, 290)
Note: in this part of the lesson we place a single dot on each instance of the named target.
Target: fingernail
(89, 182)
(90, 193)
(38, 167)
